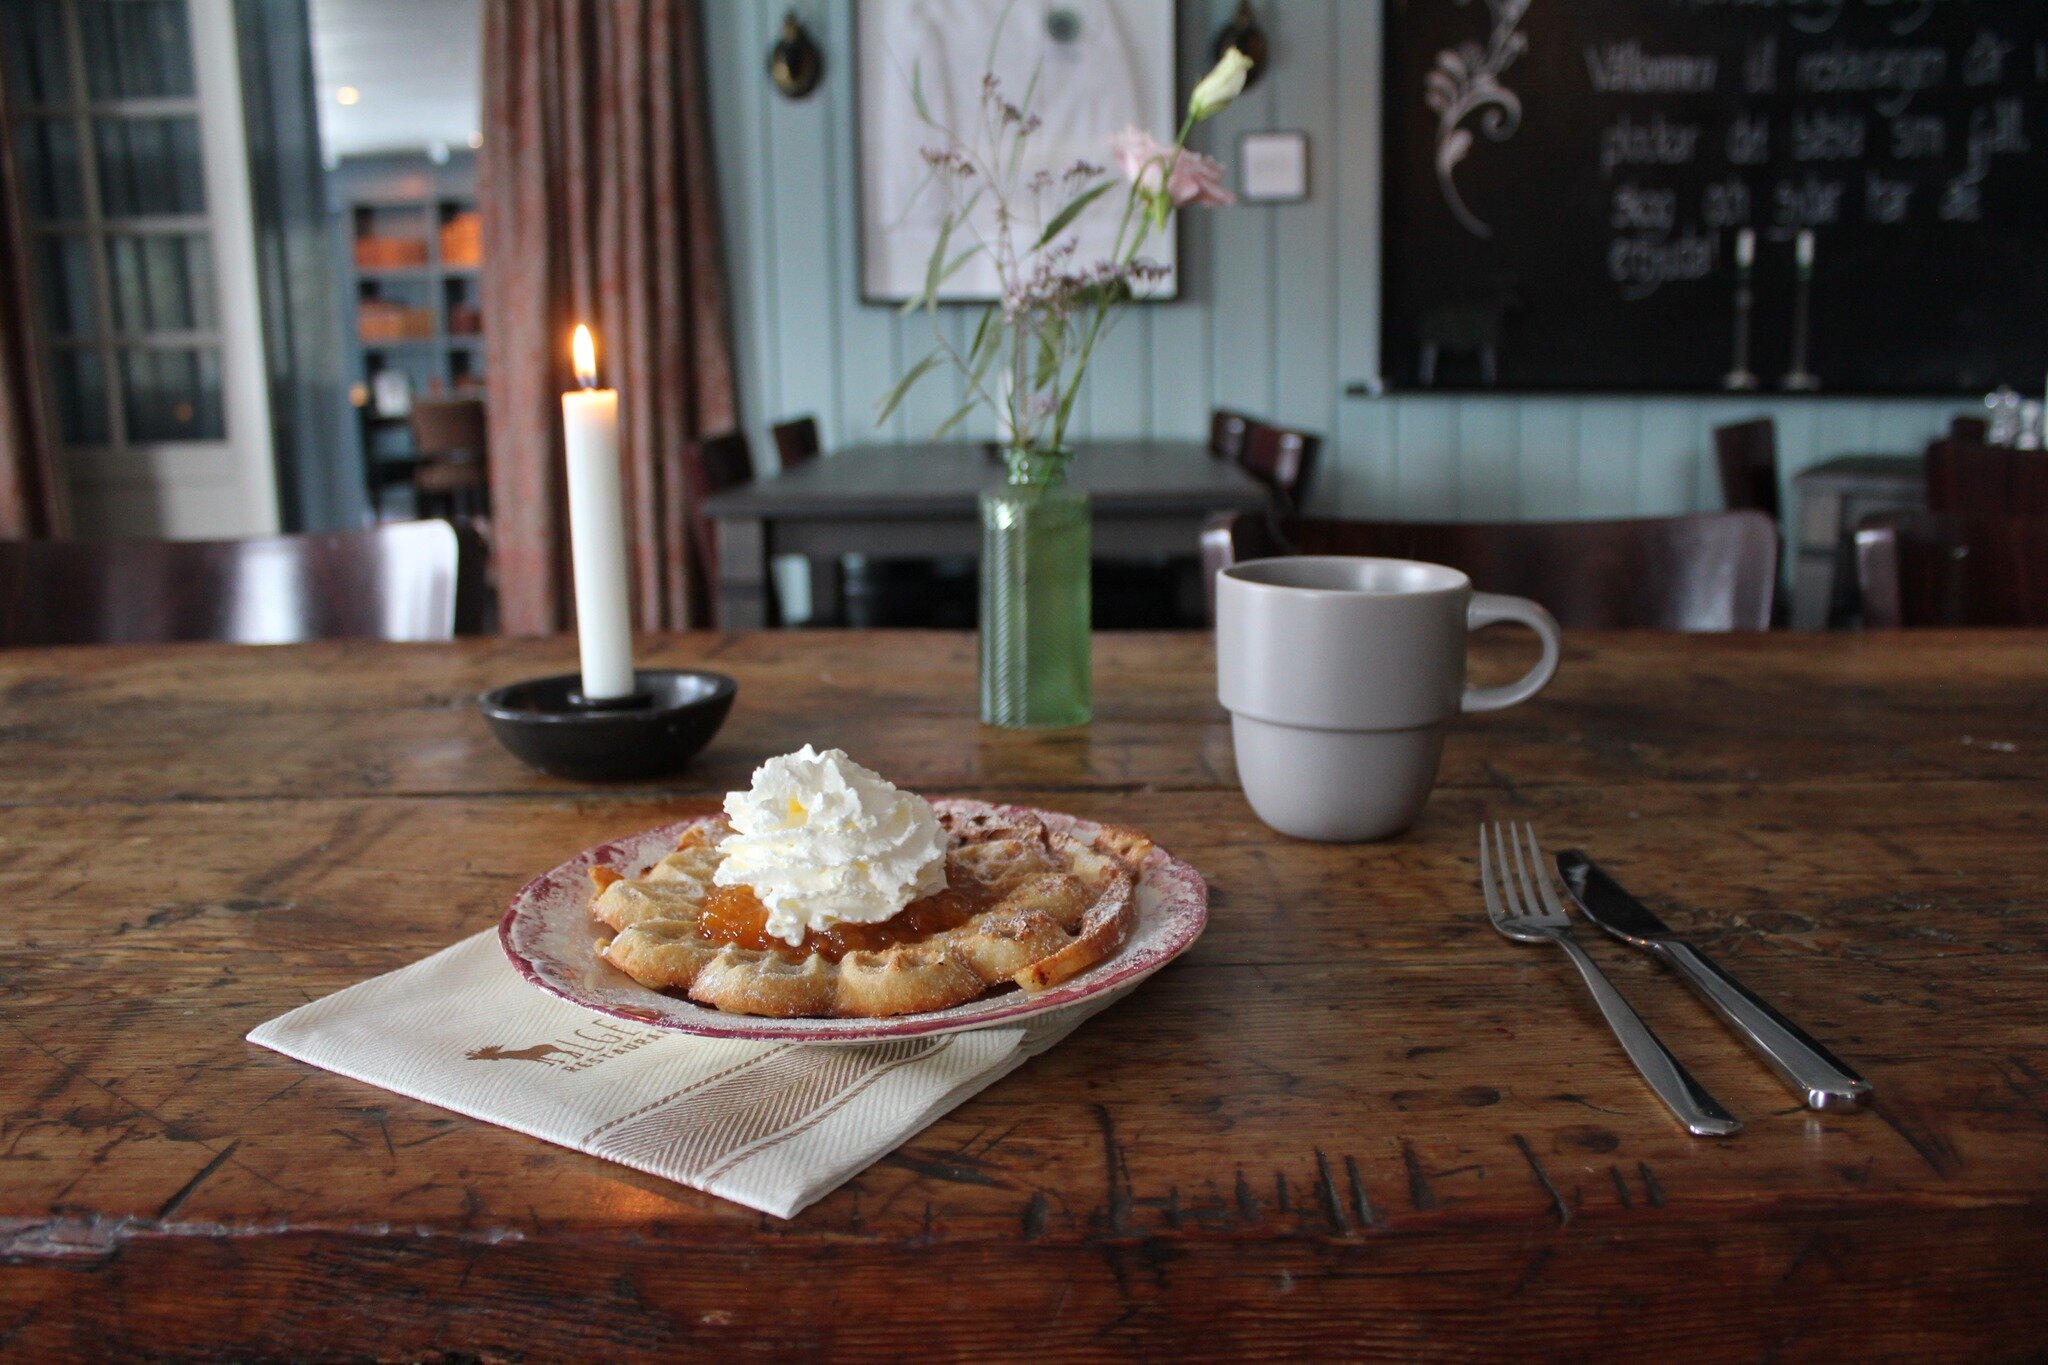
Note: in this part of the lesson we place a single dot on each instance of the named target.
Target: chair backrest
(795, 441)
(713, 465)
(417, 580)
(1708, 572)
(1281, 458)
(442, 427)
(1974, 431)
(1986, 481)
(1747, 453)
(1935, 569)
(1227, 432)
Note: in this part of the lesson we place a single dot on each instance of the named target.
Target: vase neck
(1042, 467)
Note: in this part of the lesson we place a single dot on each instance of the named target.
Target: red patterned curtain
(31, 496)
(599, 206)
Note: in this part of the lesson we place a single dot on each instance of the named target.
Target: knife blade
(1817, 1074)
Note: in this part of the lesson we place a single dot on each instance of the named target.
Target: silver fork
(1532, 914)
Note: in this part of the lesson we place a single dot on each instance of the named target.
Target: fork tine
(1517, 908)
(1530, 905)
(1493, 910)
(1550, 901)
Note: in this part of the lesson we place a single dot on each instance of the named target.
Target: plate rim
(720, 1024)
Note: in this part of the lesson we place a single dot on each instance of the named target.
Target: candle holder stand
(1799, 379)
(548, 724)
(1739, 378)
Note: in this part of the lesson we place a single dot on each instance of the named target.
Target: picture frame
(1102, 65)
(1272, 167)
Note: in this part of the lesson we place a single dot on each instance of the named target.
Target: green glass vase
(1035, 670)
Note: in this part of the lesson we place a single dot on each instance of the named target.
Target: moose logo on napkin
(592, 1045)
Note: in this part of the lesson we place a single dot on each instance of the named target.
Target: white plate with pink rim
(548, 933)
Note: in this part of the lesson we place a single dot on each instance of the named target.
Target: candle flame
(585, 353)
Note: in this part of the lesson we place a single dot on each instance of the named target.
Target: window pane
(172, 395)
(161, 283)
(33, 48)
(81, 397)
(64, 279)
(149, 166)
(136, 49)
(48, 149)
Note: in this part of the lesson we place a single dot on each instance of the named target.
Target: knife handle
(1805, 1065)
(1683, 1095)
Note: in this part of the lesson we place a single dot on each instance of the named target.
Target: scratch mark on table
(1564, 1213)
(1650, 1185)
(204, 1174)
(1419, 1193)
(1332, 1205)
(1359, 1203)
(1620, 1187)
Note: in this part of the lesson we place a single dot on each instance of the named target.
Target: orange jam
(735, 915)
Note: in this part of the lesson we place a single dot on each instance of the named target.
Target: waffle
(1024, 905)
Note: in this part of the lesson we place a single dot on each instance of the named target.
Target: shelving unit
(412, 303)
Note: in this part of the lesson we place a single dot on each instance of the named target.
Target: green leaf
(1048, 363)
(959, 416)
(917, 91)
(1071, 212)
(983, 333)
(903, 385)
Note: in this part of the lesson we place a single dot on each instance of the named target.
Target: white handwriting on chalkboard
(1725, 203)
(1465, 83)
(1818, 16)
(1659, 142)
(1807, 202)
(1749, 140)
(1884, 200)
(1626, 68)
(1984, 63)
(1842, 69)
(1818, 135)
(1645, 210)
(1642, 266)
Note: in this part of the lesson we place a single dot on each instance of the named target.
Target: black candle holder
(547, 723)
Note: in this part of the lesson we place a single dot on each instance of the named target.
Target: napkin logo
(592, 1045)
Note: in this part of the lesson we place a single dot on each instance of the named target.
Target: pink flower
(1143, 159)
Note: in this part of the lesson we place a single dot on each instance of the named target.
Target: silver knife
(1806, 1066)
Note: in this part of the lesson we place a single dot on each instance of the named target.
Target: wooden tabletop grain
(1353, 1120)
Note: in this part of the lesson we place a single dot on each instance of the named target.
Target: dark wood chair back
(712, 465)
(1281, 458)
(1937, 569)
(413, 580)
(1970, 480)
(796, 441)
(1710, 572)
(1971, 431)
(449, 428)
(1227, 431)
(1747, 453)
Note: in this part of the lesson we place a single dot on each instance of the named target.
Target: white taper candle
(597, 530)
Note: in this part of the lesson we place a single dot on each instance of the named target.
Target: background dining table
(920, 501)
(1352, 1119)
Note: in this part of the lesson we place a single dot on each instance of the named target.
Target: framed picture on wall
(1099, 66)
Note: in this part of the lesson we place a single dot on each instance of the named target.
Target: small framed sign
(1273, 167)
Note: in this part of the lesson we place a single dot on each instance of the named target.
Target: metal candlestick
(1799, 379)
(1739, 377)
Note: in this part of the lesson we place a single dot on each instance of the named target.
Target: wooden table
(919, 502)
(1353, 1118)
(1833, 497)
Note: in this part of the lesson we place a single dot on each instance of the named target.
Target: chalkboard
(1567, 183)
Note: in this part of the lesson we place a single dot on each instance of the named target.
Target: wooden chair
(1227, 431)
(1708, 572)
(1934, 569)
(796, 441)
(1747, 453)
(408, 580)
(1971, 431)
(1282, 459)
(1970, 480)
(712, 465)
(451, 438)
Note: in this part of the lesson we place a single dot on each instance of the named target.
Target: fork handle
(1817, 1074)
(1683, 1095)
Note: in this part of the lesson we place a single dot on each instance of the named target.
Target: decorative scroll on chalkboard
(1568, 183)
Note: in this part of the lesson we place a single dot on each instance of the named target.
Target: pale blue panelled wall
(1278, 308)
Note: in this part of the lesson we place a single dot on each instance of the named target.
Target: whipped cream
(824, 841)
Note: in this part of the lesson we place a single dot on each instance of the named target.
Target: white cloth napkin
(774, 1126)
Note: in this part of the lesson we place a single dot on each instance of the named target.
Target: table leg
(743, 571)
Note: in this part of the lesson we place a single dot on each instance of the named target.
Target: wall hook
(795, 64)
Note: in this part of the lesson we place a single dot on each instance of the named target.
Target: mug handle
(1485, 609)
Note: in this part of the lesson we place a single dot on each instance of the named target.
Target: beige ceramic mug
(1341, 675)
